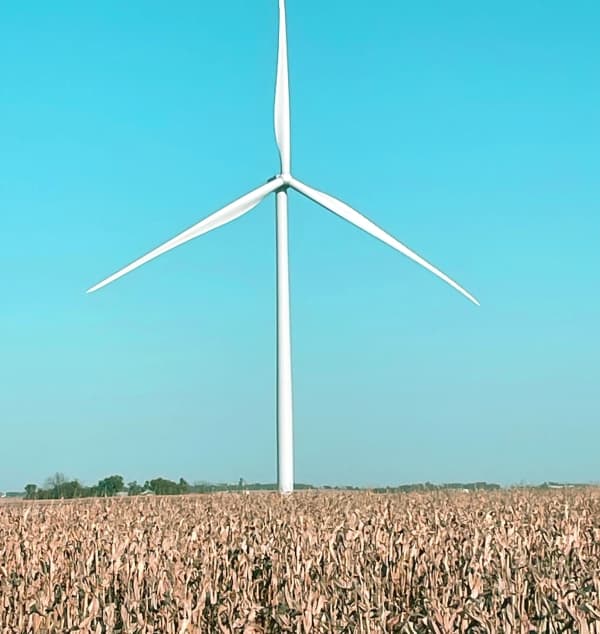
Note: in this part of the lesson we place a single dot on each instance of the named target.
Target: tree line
(58, 486)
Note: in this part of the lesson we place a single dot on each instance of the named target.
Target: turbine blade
(282, 96)
(351, 215)
(228, 213)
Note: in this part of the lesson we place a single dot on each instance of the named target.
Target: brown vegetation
(517, 561)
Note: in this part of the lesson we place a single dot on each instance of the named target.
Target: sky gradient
(470, 132)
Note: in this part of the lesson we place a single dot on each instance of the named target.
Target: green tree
(133, 488)
(162, 486)
(72, 489)
(54, 486)
(111, 485)
(30, 491)
(184, 487)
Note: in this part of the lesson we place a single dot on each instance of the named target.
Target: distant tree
(133, 488)
(55, 481)
(202, 487)
(162, 486)
(72, 489)
(111, 485)
(54, 486)
(90, 492)
(184, 487)
(30, 491)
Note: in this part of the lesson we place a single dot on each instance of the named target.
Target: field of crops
(506, 561)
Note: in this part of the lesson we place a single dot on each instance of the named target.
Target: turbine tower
(279, 185)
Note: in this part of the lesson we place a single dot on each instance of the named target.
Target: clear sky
(468, 130)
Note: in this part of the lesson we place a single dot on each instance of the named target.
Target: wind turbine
(279, 186)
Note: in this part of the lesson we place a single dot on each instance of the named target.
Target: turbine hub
(286, 177)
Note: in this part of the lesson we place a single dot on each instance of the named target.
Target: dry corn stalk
(508, 561)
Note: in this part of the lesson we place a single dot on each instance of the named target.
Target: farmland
(499, 561)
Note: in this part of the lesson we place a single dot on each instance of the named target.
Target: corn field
(503, 561)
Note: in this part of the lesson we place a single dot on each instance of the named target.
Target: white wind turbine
(279, 185)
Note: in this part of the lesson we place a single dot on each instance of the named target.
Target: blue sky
(470, 132)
